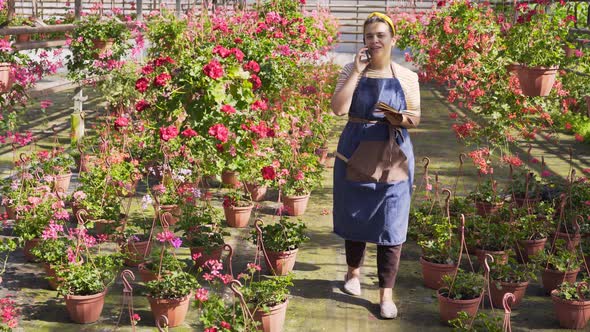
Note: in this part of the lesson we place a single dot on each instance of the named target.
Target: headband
(383, 17)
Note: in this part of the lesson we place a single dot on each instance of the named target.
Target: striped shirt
(409, 82)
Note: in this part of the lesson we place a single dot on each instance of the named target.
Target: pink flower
(429, 187)
(141, 105)
(148, 69)
(453, 115)
(259, 105)
(579, 137)
(534, 160)
(202, 295)
(196, 256)
(221, 51)
(256, 82)
(299, 176)
(165, 236)
(142, 84)
(252, 66)
(578, 53)
(135, 318)
(253, 267)
(568, 126)
(162, 79)
(228, 109)
(46, 103)
(268, 173)
(586, 170)
(34, 200)
(238, 54)
(121, 122)
(545, 174)
(168, 133)
(213, 69)
(188, 133)
(220, 132)
(225, 324)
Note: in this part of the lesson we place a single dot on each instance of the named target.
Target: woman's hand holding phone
(361, 60)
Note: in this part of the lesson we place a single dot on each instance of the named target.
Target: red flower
(162, 60)
(259, 105)
(121, 122)
(579, 137)
(221, 51)
(238, 54)
(210, 329)
(302, 2)
(219, 131)
(568, 126)
(146, 70)
(142, 84)
(256, 82)
(162, 79)
(141, 105)
(238, 40)
(228, 109)
(268, 173)
(225, 325)
(188, 133)
(252, 66)
(213, 69)
(168, 133)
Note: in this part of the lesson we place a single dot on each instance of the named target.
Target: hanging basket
(571, 314)
(536, 81)
(102, 46)
(432, 273)
(85, 309)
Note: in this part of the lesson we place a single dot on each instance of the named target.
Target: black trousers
(387, 260)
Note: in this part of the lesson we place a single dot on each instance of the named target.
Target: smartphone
(368, 54)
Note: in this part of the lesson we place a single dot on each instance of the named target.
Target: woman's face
(378, 39)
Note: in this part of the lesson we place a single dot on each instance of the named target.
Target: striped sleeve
(409, 82)
(344, 75)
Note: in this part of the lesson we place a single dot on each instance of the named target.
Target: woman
(374, 170)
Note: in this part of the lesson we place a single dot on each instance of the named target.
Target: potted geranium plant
(168, 199)
(571, 304)
(52, 251)
(170, 296)
(96, 37)
(201, 228)
(558, 266)
(159, 263)
(281, 244)
(237, 208)
(535, 42)
(488, 199)
(58, 165)
(531, 230)
(439, 252)
(84, 285)
(510, 278)
(525, 188)
(494, 238)
(124, 176)
(462, 291)
(304, 174)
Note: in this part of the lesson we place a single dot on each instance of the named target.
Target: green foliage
(435, 238)
(268, 292)
(481, 323)
(38, 216)
(512, 272)
(535, 225)
(201, 226)
(236, 198)
(169, 262)
(95, 28)
(91, 277)
(53, 251)
(174, 285)
(282, 236)
(215, 310)
(572, 291)
(487, 192)
(101, 200)
(56, 162)
(561, 260)
(494, 236)
(466, 286)
(520, 185)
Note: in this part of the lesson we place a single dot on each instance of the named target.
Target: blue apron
(370, 211)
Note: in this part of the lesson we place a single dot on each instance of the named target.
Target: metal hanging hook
(230, 255)
(447, 201)
(162, 319)
(126, 284)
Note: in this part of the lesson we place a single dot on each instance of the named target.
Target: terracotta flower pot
(23, 38)
(230, 178)
(282, 262)
(214, 253)
(432, 273)
(528, 248)
(485, 209)
(6, 76)
(571, 242)
(174, 210)
(571, 314)
(295, 205)
(30, 244)
(84, 309)
(50, 276)
(238, 217)
(136, 252)
(174, 309)
(450, 308)
(552, 278)
(273, 320)
(62, 182)
(256, 191)
(322, 153)
(10, 212)
(518, 289)
(500, 257)
(102, 46)
(536, 81)
(145, 274)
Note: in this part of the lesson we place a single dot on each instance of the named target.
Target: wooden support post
(139, 9)
(78, 9)
(178, 8)
(77, 117)
(35, 9)
(10, 14)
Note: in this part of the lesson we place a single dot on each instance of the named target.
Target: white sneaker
(388, 310)
(352, 286)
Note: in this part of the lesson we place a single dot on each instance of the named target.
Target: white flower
(145, 201)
